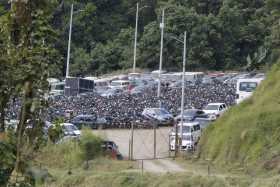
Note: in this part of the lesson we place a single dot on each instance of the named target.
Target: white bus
(189, 76)
(57, 88)
(101, 84)
(245, 88)
(120, 84)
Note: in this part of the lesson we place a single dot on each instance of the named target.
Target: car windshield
(212, 107)
(111, 91)
(186, 129)
(247, 86)
(190, 112)
(70, 127)
(187, 137)
(159, 111)
(116, 84)
(59, 87)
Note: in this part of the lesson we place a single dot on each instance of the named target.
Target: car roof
(216, 103)
(189, 123)
(66, 124)
(121, 81)
(85, 115)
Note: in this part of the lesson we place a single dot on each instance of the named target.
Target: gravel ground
(144, 146)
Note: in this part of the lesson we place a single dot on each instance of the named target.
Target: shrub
(55, 132)
(90, 145)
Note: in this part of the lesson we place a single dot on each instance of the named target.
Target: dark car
(191, 114)
(109, 147)
(90, 121)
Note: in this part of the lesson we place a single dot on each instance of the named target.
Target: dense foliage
(247, 136)
(222, 34)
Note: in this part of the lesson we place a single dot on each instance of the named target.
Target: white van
(215, 109)
(57, 89)
(245, 88)
(101, 84)
(120, 84)
(191, 135)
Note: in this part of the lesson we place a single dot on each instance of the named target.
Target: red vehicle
(110, 148)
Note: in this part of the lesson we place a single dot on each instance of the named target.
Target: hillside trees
(273, 40)
(221, 33)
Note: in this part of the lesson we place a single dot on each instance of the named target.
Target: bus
(101, 84)
(246, 87)
(120, 84)
(57, 88)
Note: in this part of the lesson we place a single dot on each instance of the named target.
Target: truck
(75, 86)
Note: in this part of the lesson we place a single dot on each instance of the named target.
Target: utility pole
(155, 140)
(183, 88)
(132, 136)
(69, 42)
(135, 39)
(159, 79)
(160, 58)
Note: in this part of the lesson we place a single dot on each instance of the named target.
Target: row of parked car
(163, 117)
(189, 130)
(194, 121)
(72, 132)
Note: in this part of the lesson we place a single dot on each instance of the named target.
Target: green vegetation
(247, 136)
(221, 34)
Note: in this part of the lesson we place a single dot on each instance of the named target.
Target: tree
(116, 54)
(273, 39)
(31, 38)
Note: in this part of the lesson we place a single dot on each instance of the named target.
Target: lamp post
(160, 58)
(135, 35)
(69, 39)
(183, 86)
(69, 42)
(135, 38)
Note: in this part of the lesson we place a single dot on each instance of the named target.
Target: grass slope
(248, 135)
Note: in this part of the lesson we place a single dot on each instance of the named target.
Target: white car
(70, 130)
(215, 109)
(191, 134)
(111, 93)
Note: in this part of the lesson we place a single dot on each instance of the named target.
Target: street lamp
(183, 81)
(160, 58)
(69, 39)
(135, 36)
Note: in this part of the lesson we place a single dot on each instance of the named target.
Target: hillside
(247, 136)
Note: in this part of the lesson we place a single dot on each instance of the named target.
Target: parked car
(90, 121)
(137, 90)
(111, 92)
(191, 114)
(70, 129)
(112, 149)
(160, 115)
(191, 132)
(215, 109)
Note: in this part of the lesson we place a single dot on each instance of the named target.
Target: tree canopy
(221, 34)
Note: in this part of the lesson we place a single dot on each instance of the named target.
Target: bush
(7, 161)
(55, 132)
(90, 145)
